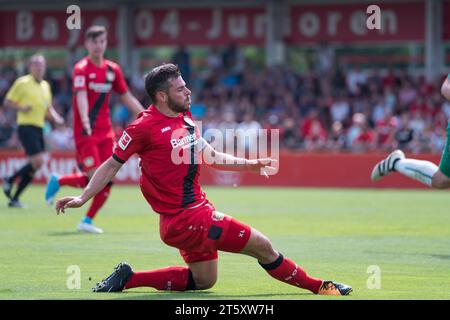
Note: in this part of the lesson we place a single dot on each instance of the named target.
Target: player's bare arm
(445, 89)
(13, 105)
(102, 176)
(52, 115)
(228, 162)
(131, 103)
(83, 109)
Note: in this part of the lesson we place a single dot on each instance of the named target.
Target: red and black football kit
(188, 221)
(99, 82)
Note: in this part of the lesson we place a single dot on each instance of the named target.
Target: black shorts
(32, 139)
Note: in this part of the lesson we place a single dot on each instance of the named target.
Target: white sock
(419, 170)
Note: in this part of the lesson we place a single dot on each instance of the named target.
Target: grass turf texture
(334, 234)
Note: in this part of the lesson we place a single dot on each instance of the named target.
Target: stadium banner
(331, 170)
(306, 24)
(165, 26)
(200, 26)
(400, 21)
(26, 28)
(446, 20)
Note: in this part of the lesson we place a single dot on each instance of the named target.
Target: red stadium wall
(295, 170)
(218, 25)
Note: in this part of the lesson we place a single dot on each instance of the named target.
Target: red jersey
(169, 184)
(385, 129)
(365, 137)
(98, 82)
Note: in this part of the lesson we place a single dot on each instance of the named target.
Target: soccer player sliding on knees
(425, 172)
(163, 135)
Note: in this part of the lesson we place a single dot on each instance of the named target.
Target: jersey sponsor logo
(79, 82)
(185, 142)
(217, 216)
(100, 87)
(92, 75)
(125, 140)
(165, 129)
(110, 76)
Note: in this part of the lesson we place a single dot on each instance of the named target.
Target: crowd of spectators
(329, 108)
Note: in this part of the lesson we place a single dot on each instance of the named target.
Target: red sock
(98, 201)
(77, 180)
(286, 270)
(170, 279)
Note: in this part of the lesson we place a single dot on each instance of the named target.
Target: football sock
(98, 201)
(287, 271)
(24, 170)
(77, 180)
(86, 220)
(419, 170)
(27, 177)
(170, 279)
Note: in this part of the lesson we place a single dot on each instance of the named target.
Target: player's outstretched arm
(131, 103)
(228, 162)
(445, 89)
(102, 176)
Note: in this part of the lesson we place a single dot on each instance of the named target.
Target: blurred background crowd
(327, 104)
(329, 107)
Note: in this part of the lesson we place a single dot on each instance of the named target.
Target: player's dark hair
(94, 31)
(158, 79)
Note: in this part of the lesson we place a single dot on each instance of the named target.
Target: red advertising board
(446, 20)
(347, 23)
(400, 21)
(333, 170)
(199, 26)
(48, 27)
(62, 163)
(193, 26)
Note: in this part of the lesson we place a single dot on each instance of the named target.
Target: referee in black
(31, 97)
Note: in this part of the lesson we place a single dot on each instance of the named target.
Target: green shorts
(444, 165)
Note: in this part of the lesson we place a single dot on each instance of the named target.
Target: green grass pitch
(333, 233)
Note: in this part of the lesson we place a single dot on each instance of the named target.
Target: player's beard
(178, 107)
